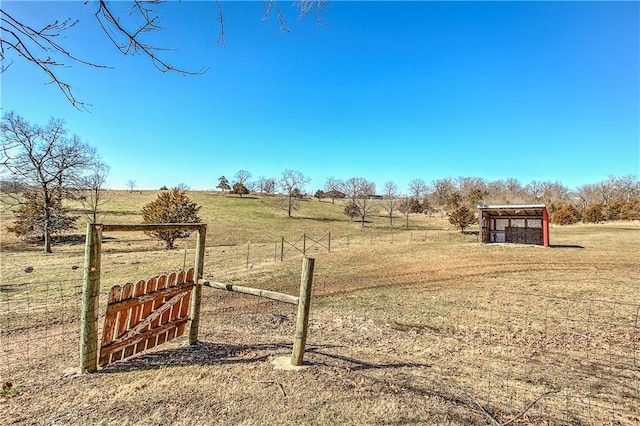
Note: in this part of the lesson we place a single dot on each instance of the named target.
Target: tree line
(615, 198)
(41, 165)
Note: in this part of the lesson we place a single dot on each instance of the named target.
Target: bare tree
(405, 207)
(262, 184)
(126, 27)
(42, 158)
(390, 199)
(94, 184)
(333, 188)
(243, 176)
(292, 182)
(554, 192)
(417, 188)
(443, 188)
(629, 187)
(270, 185)
(534, 190)
(132, 184)
(360, 193)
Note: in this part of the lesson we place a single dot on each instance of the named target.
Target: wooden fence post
(282, 250)
(329, 244)
(197, 289)
(90, 300)
(304, 306)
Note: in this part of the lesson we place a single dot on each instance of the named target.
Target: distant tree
(554, 192)
(585, 195)
(270, 185)
(333, 186)
(613, 210)
(426, 206)
(566, 214)
(320, 194)
(290, 182)
(94, 186)
(442, 189)
(360, 193)
(183, 187)
(351, 209)
(462, 217)
(164, 188)
(631, 210)
(629, 187)
(475, 196)
(405, 208)
(534, 190)
(239, 189)
(390, 199)
(243, 176)
(132, 184)
(472, 189)
(31, 219)
(223, 184)
(261, 184)
(454, 201)
(171, 207)
(417, 188)
(593, 214)
(415, 206)
(42, 158)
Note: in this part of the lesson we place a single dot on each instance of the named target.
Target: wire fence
(511, 355)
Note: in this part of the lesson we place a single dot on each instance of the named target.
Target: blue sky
(382, 90)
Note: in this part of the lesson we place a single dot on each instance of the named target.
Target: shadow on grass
(202, 353)
(205, 354)
(357, 364)
(317, 219)
(565, 246)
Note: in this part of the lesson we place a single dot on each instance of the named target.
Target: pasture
(418, 326)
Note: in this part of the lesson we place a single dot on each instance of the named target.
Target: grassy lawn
(402, 330)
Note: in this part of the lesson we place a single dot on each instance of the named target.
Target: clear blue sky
(382, 90)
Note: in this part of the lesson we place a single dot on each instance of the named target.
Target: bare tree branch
(127, 33)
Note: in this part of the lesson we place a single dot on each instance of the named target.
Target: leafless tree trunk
(94, 185)
(390, 199)
(417, 188)
(43, 157)
(131, 184)
(292, 182)
(333, 186)
(360, 192)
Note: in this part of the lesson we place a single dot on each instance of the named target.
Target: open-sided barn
(514, 223)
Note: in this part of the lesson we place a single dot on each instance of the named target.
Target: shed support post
(545, 227)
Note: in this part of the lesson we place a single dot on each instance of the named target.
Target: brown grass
(446, 332)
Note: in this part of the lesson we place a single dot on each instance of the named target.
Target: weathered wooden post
(329, 244)
(304, 244)
(90, 300)
(304, 306)
(197, 289)
(282, 250)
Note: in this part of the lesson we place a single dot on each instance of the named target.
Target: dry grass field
(422, 326)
